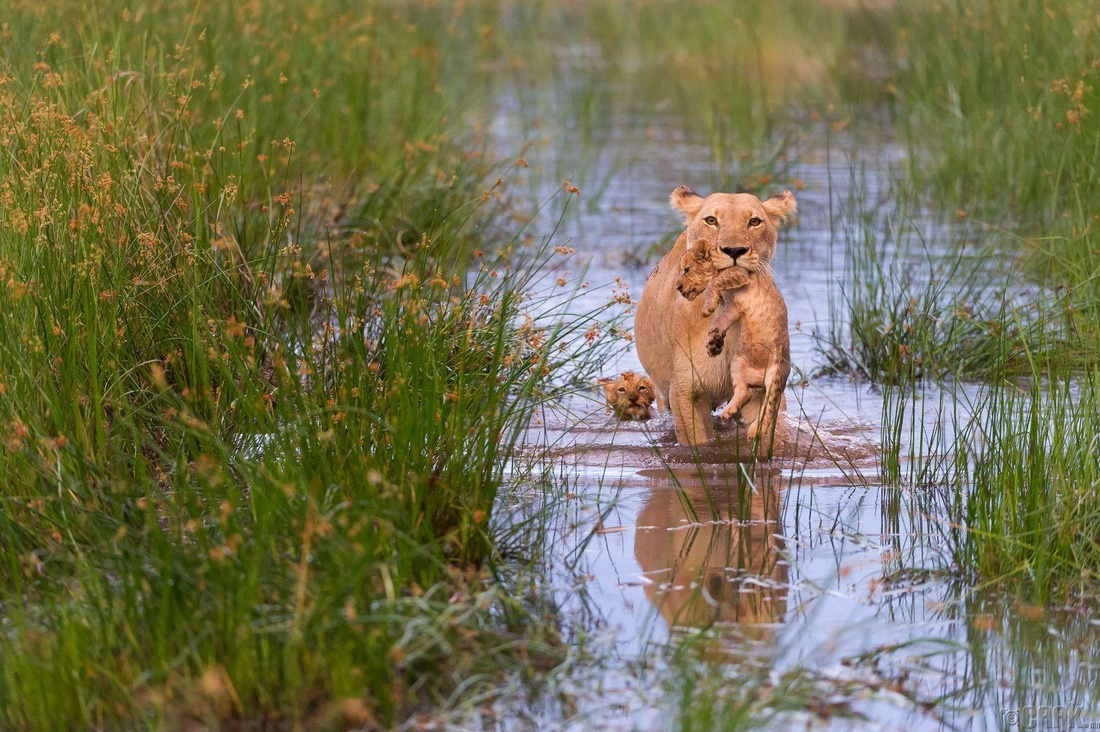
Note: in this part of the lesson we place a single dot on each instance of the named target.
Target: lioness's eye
(710, 221)
(755, 221)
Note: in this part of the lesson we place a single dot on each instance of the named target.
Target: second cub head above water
(630, 396)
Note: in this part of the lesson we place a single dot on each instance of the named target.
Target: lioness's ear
(686, 201)
(780, 207)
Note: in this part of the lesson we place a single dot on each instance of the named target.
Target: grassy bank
(995, 104)
(255, 409)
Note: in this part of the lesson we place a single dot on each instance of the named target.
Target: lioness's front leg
(690, 405)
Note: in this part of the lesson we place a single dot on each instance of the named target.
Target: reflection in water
(709, 544)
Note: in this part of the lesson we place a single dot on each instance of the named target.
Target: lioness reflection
(723, 563)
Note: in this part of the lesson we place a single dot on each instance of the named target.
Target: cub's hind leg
(775, 381)
(741, 374)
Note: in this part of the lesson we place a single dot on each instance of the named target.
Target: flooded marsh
(843, 563)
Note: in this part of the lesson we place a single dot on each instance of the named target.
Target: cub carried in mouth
(744, 293)
(630, 396)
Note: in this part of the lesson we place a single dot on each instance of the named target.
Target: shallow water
(810, 563)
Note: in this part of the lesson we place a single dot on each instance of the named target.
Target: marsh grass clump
(253, 424)
(919, 300)
(922, 311)
(1025, 506)
(931, 320)
(998, 102)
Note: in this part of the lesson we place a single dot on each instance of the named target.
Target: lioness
(763, 358)
(670, 331)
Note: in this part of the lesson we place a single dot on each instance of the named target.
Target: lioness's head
(736, 228)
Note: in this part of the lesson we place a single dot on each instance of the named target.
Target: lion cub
(630, 396)
(764, 357)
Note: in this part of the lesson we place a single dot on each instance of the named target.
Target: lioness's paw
(715, 343)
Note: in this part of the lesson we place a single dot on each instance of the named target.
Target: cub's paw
(728, 416)
(708, 310)
(715, 343)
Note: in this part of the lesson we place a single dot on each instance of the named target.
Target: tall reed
(922, 309)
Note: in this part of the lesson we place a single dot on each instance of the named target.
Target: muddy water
(809, 565)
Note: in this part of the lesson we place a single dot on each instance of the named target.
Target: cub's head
(737, 228)
(630, 396)
(697, 269)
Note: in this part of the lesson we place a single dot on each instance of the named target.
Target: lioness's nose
(734, 252)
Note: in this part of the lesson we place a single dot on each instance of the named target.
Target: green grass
(923, 299)
(255, 409)
(928, 310)
(995, 102)
(1024, 505)
(1006, 484)
(998, 101)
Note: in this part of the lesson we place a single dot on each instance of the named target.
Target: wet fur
(671, 333)
(630, 396)
(763, 358)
